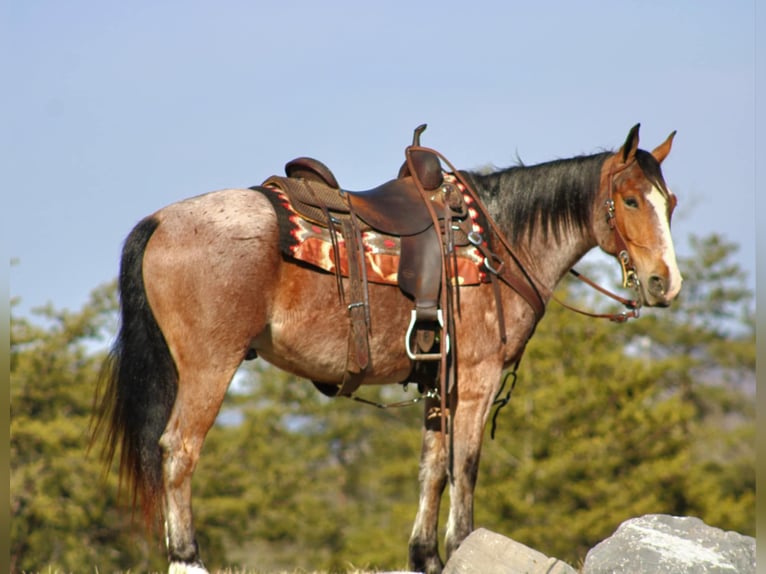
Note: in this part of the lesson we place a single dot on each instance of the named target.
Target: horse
(203, 286)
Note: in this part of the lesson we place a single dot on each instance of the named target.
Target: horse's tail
(138, 385)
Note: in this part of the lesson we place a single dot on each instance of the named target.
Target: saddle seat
(395, 207)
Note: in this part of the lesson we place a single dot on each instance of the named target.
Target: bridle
(527, 286)
(630, 278)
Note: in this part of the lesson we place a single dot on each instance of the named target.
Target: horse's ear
(662, 150)
(628, 149)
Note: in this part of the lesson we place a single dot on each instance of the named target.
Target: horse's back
(228, 214)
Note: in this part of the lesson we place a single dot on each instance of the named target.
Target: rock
(658, 543)
(485, 552)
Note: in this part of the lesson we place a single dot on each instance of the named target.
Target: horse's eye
(631, 202)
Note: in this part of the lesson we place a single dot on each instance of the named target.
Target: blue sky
(114, 109)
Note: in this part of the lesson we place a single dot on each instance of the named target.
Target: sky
(112, 110)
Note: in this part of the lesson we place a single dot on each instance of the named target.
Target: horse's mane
(551, 197)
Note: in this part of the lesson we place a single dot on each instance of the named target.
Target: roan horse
(204, 285)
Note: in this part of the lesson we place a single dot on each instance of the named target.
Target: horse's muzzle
(658, 292)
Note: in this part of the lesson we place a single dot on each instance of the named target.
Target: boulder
(658, 544)
(486, 552)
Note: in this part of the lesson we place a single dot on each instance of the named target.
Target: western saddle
(421, 207)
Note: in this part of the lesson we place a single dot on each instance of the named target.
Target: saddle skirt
(305, 240)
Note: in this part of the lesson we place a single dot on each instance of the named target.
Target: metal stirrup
(408, 337)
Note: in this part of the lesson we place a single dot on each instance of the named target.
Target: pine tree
(611, 421)
(63, 514)
(327, 482)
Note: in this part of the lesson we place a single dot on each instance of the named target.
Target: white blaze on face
(660, 204)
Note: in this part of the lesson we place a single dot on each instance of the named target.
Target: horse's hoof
(184, 568)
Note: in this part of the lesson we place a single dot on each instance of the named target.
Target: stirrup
(408, 338)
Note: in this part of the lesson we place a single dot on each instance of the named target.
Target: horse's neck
(545, 211)
(547, 261)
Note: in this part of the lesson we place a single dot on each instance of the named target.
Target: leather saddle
(396, 208)
(406, 207)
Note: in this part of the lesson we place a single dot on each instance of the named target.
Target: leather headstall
(629, 274)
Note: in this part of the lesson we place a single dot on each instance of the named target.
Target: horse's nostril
(656, 285)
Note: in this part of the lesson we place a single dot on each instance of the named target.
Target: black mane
(549, 196)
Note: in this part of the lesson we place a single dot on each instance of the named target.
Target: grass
(226, 571)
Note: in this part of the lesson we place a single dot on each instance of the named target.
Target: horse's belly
(308, 330)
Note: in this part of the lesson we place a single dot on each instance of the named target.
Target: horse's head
(633, 220)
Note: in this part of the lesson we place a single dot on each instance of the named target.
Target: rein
(526, 287)
(633, 306)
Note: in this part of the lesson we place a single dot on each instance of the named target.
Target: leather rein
(522, 282)
(526, 286)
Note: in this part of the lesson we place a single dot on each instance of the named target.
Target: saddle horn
(416, 136)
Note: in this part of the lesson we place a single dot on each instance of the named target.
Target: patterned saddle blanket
(309, 242)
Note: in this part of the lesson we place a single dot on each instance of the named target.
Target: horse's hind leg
(210, 270)
(424, 541)
(200, 394)
(206, 358)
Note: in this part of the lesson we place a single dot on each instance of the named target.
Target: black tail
(139, 380)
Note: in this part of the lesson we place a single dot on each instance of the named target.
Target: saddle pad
(310, 243)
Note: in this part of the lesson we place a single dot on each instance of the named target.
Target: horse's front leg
(470, 416)
(424, 541)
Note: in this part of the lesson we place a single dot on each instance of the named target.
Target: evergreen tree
(63, 514)
(327, 482)
(611, 421)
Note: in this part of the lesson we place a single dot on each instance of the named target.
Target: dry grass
(351, 570)
(283, 572)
